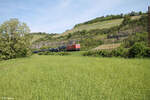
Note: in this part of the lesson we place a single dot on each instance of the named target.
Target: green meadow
(74, 78)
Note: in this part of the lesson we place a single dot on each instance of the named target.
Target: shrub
(119, 52)
(54, 53)
(88, 53)
(137, 50)
(102, 53)
(45, 47)
(63, 53)
(147, 54)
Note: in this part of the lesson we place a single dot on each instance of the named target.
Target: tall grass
(75, 78)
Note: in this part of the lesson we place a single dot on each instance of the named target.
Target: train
(73, 47)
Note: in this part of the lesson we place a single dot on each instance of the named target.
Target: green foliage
(137, 50)
(134, 13)
(147, 52)
(131, 28)
(143, 21)
(43, 33)
(43, 36)
(90, 53)
(69, 36)
(119, 52)
(54, 53)
(138, 37)
(14, 40)
(126, 20)
(90, 43)
(117, 32)
(45, 47)
(100, 34)
(140, 12)
(101, 53)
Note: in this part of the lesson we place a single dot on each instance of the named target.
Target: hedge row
(54, 53)
(138, 50)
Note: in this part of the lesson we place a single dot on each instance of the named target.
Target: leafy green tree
(14, 39)
(69, 35)
(137, 50)
(126, 20)
(132, 13)
(140, 13)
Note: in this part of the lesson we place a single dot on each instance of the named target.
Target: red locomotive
(74, 47)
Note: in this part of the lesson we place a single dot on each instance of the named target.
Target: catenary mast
(149, 26)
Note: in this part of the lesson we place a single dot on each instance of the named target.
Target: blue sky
(56, 16)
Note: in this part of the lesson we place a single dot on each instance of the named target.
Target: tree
(14, 39)
(140, 13)
(126, 20)
(132, 13)
(137, 50)
(121, 15)
(69, 36)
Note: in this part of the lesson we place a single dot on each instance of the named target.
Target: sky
(57, 16)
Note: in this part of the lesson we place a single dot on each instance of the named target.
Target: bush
(62, 53)
(147, 54)
(120, 52)
(54, 53)
(102, 53)
(137, 50)
(88, 53)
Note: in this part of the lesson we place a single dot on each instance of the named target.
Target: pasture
(74, 78)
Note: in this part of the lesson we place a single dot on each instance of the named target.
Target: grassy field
(74, 78)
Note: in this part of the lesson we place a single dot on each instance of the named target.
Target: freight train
(73, 47)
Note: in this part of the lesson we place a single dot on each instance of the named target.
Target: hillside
(94, 33)
(41, 36)
(37, 37)
(97, 25)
